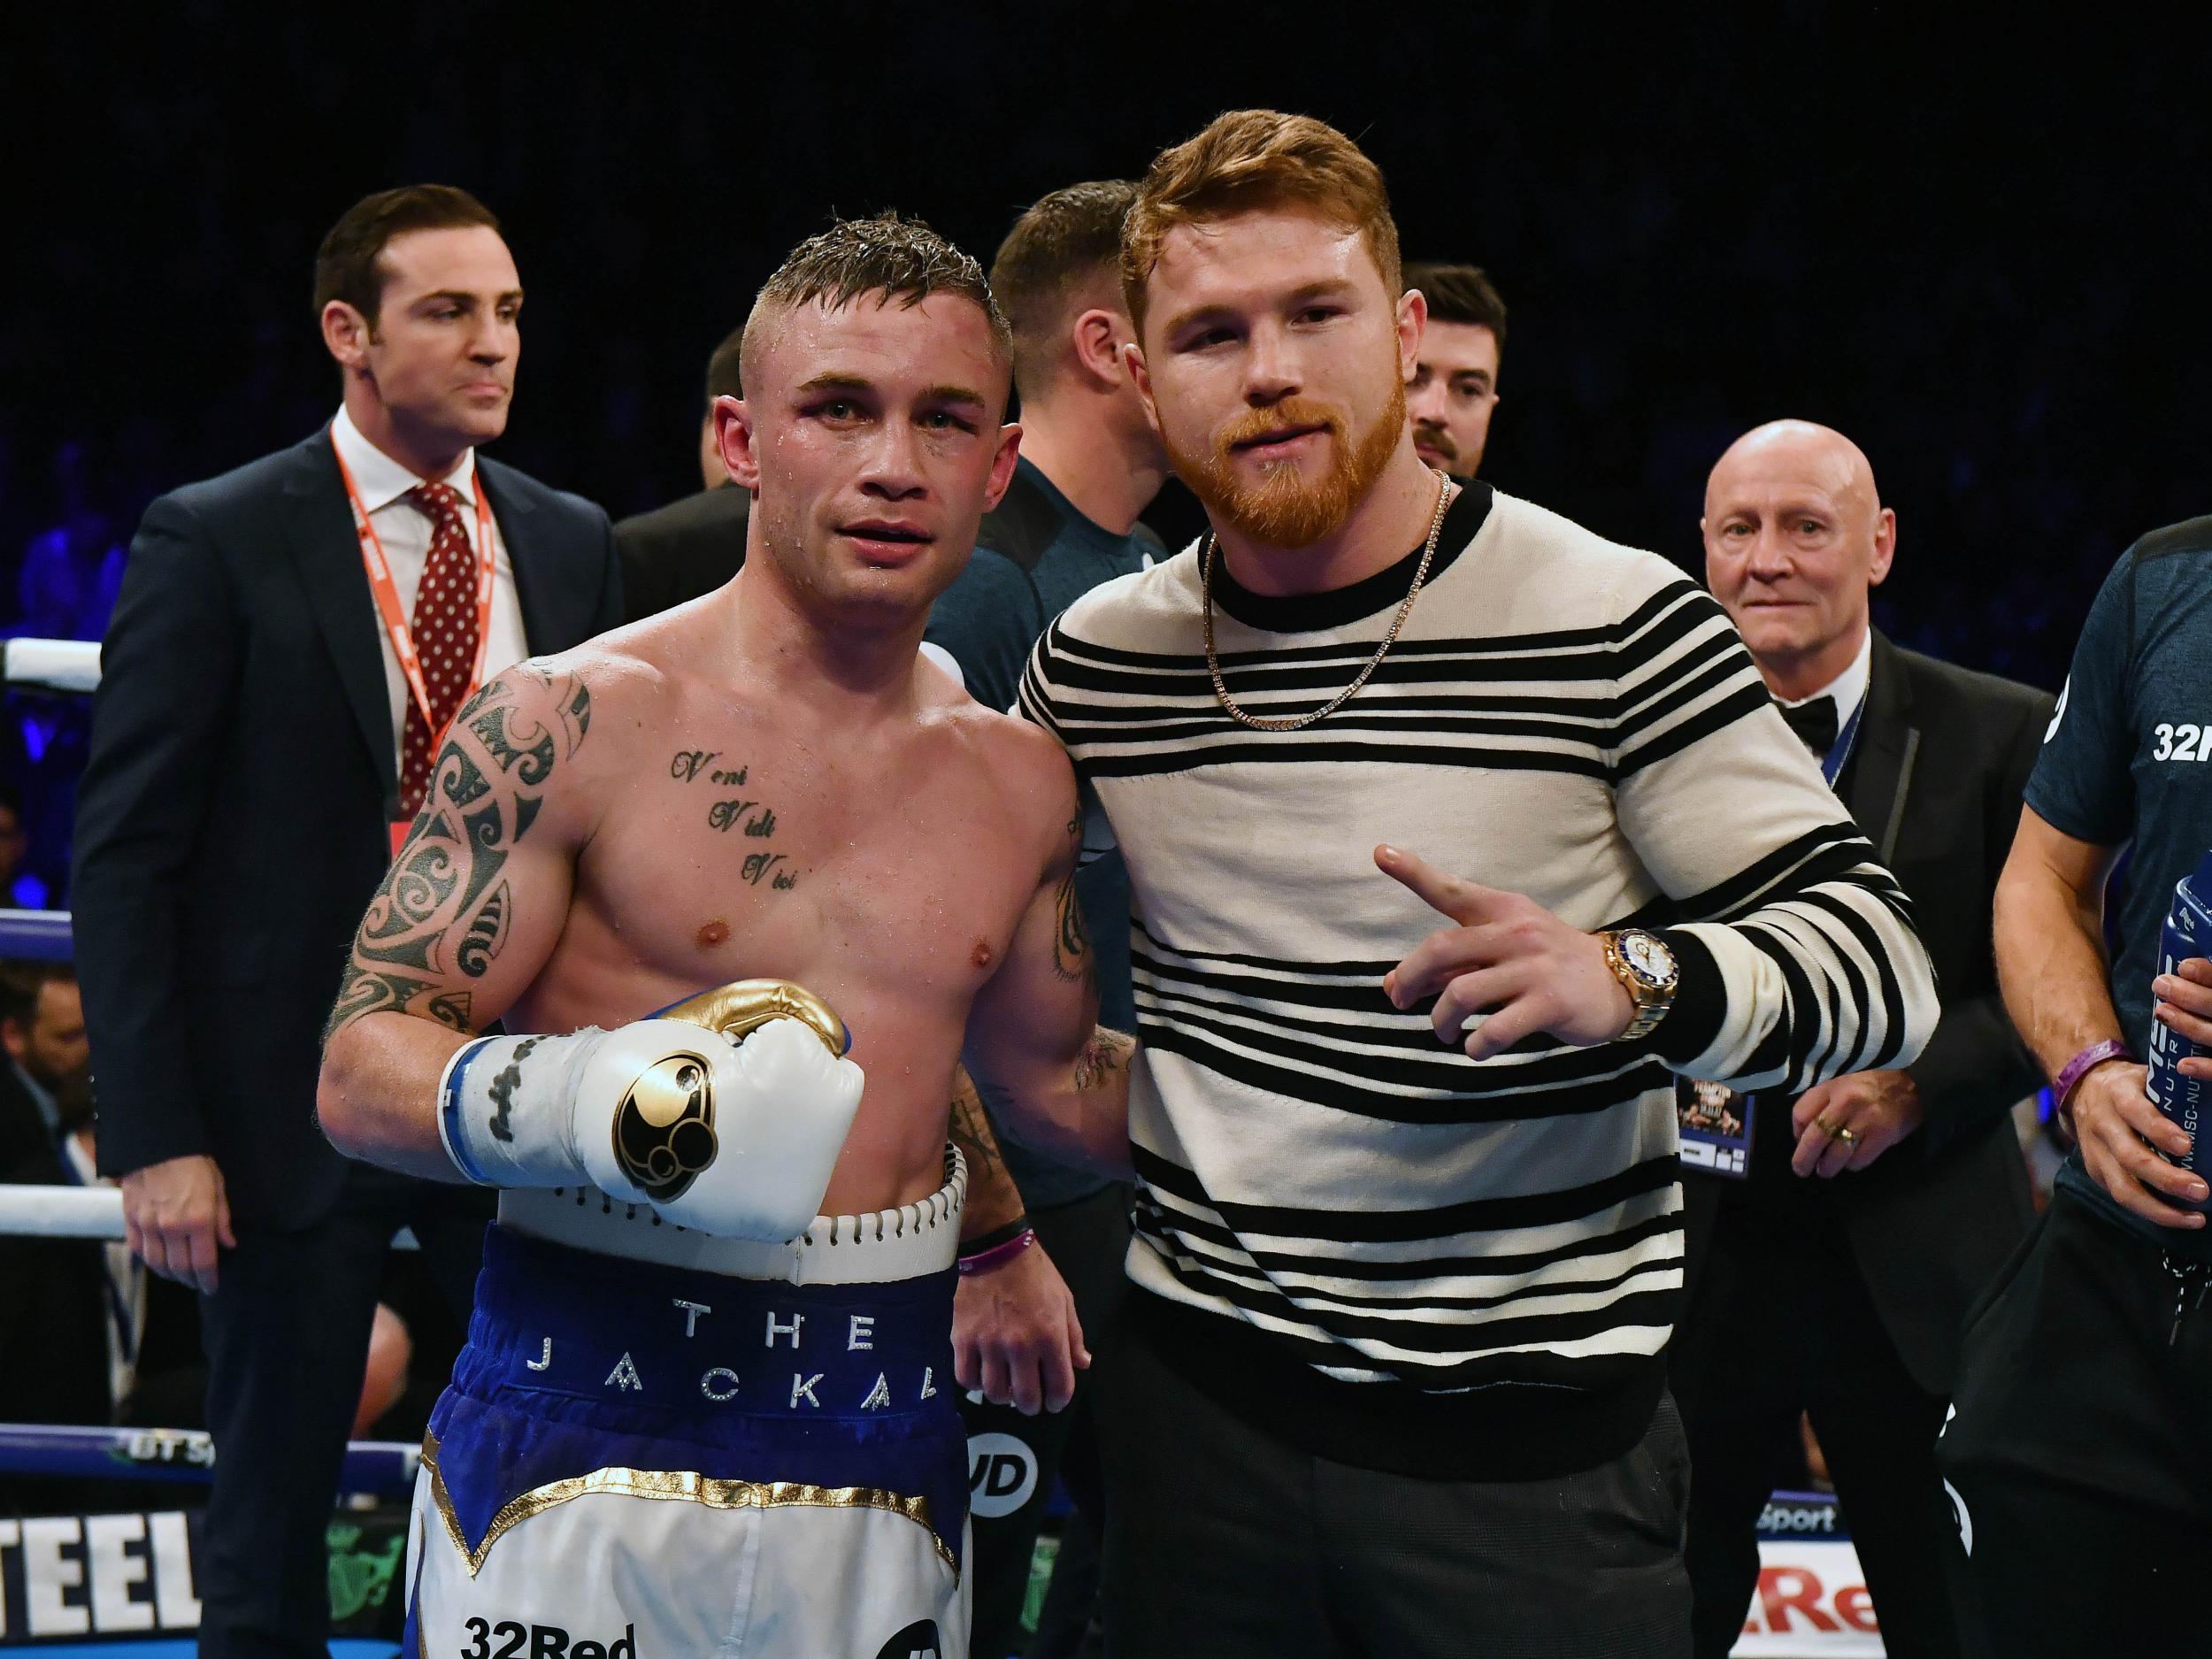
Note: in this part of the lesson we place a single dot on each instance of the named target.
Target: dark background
(1975, 246)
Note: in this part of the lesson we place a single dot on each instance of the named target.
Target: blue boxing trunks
(658, 1445)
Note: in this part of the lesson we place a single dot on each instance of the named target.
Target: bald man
(1832, 1271)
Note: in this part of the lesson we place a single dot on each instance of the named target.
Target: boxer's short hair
(1065, 240)
(1459, 293)
(349, 266)
(1257, 158)
(901, 259)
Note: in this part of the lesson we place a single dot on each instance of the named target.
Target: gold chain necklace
(1296, 722)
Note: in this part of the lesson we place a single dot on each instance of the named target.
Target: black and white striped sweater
(1387, 1253)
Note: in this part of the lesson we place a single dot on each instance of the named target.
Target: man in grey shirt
(1090, 464)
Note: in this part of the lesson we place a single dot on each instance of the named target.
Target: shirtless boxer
(692, 1417)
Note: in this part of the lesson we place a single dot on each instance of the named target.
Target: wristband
(996, 1237)
(2076, 1069)
(982, 1260)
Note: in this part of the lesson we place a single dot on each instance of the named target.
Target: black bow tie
(1814, 722)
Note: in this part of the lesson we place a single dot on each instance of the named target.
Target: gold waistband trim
(682, 1486)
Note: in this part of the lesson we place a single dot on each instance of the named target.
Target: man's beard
(1286, 509)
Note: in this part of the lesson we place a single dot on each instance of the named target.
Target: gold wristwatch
(1647, 970)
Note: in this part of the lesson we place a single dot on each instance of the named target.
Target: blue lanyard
(1832, 763)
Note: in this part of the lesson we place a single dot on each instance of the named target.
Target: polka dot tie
(444, 629)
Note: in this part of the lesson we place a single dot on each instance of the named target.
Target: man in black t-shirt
(1090, 462)
(694, 543)
(2078, 1451)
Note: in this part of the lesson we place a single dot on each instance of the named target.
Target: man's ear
(1413, 317)
(1009, 443)
(1140, 377)
(1885, 546)
(347, 334)
(733, 437)
(14, 1039)
(1097, 335)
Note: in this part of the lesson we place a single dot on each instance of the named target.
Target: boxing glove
(725, 1112)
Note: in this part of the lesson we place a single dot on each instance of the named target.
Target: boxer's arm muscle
(468, 913)
(1057, 1079)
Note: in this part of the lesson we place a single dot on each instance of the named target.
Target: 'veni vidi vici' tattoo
(744, 816)
(443, 912)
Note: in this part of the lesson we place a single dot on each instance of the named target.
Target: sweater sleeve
(1799, 961)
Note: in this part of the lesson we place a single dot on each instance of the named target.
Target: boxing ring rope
(61, 1212)
(386, 1468)
(182, 1455)
(186, 1457)
(51, 665)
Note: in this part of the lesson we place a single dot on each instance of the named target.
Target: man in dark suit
(1832, 1276)
(112, 1343)
(42, 1028)
(692, 545)
(290, 641)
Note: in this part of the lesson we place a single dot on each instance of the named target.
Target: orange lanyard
(387, 592)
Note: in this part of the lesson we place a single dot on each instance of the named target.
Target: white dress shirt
(405, 529)
(127, 1285)
(1849, 689)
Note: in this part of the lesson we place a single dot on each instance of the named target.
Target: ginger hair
(1257, 158)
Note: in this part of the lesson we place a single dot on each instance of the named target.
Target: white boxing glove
(725, 1113)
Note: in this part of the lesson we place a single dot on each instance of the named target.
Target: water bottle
(2187, 932)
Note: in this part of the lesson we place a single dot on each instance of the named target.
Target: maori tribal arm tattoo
(474, 900)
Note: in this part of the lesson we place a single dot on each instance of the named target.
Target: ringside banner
(123, 1585)
(1812, 1599)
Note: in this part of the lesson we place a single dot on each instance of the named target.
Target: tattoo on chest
(732, 810)
(444, 912)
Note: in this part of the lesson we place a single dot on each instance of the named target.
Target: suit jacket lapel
(537, 588)
(1888, 743)
(328, 555)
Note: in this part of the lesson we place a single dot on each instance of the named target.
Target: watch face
(1648, 958)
